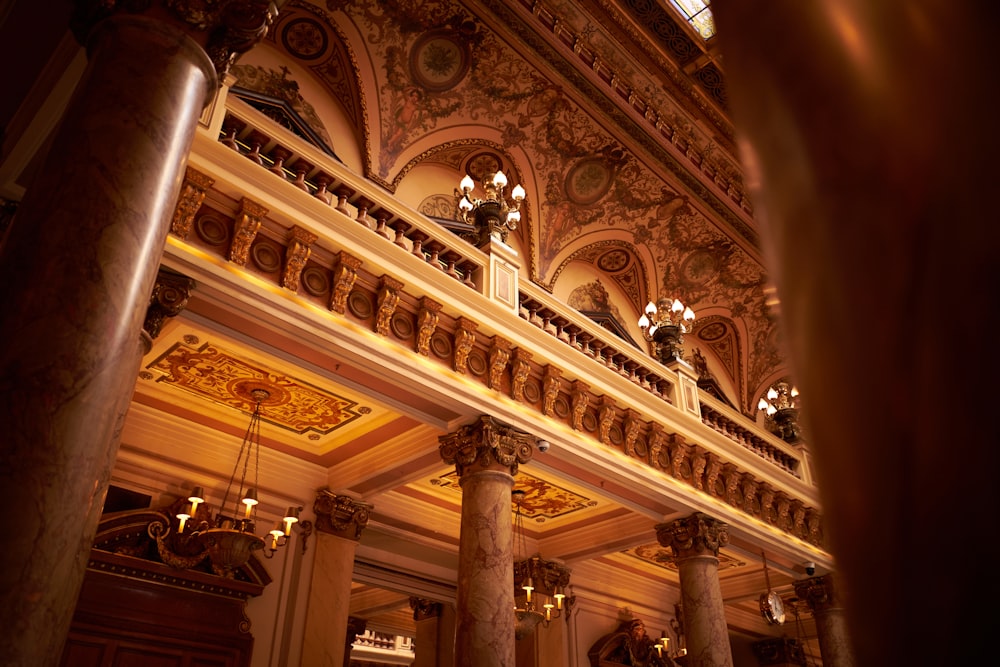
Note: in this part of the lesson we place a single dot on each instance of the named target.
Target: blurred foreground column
(868, 132)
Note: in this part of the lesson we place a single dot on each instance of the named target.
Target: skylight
(698, 14)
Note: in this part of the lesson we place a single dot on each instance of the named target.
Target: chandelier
(539, 584)
(229, 538)
(664, 324)
(781, 410)
(493, 215)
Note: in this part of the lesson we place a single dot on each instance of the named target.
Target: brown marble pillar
(435, 640)
(831, 625)
(77, 269)
(695, 543)
(867, 135)
(486, 455)
(339, 523)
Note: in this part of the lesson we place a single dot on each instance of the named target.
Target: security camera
(810, 568)
(543, 446)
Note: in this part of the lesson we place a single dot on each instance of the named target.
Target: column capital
(486, 444)
(818, 592)
(424, 608)
(696, 535)
(223, 28)
(340, 515)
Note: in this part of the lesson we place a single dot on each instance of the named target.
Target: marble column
(339, 523)
(486, 455)
(831, 624)
(867, 136)
(77, 268)
(695, 543)
(435, 640)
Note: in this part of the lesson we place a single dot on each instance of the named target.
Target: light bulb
(517, 193)
(651, 309)
(513, 216)
(677, 306)
(467, 184)
(500, 180)
(643, 322)
(465, 204)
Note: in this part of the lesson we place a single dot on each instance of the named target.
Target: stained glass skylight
(698, 14)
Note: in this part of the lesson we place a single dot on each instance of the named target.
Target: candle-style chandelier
(664, 324)
(539, 584)
(494, 214)
(229, 538)
(781, 410)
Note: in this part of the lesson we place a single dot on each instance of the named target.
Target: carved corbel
(699, 459)
(732, 478)
(712, 471)
(580, 397)
(680, 453)
(388, 299)
(658, 454)
(550, 389)
(427, 322)
(296, 256)
(749, 486)
(248, 221)
(465, 339)
(345, 272)
(499, 356)
(632, 426)
(193, 191)
(520, 368)
(606, 418)
(767, 494)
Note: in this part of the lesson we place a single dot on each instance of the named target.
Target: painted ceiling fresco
(428, 82)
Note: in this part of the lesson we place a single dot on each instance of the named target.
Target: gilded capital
(696, 535)
(170, 296)
(818, 592)
(225, 29)
(486, 445)
(340, 515)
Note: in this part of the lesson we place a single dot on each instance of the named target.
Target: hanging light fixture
(664, 324)
(539, 584)
(781, 410)
(496, 213)
(230, 537)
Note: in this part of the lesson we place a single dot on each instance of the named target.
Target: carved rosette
(499, 355)
(550, 387)
(170, 296)
(580, 399)
(465, 338)
(388, 299)
(248, 221)
(427, 322)
(486, 445)
(696, 535)
(193, 191)
(818, 592)
(224, 28)
(345, 272)
(424, 609)
(340, 515)
(296, 255)
(520, 368)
